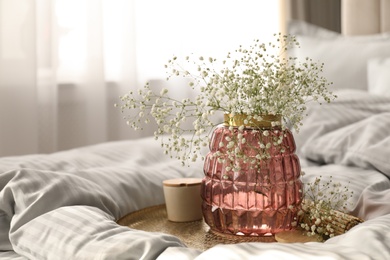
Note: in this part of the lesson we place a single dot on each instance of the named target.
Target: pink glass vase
(262, 196)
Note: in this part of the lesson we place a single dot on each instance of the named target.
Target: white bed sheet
(42, 200)
(64, 205)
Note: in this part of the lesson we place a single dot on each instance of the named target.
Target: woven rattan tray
(195, 234)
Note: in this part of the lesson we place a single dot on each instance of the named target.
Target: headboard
(349, 17)
(365, 16)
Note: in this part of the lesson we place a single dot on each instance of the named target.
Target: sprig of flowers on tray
(256, 80)
(323, 210)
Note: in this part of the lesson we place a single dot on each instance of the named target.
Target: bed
(66, 205)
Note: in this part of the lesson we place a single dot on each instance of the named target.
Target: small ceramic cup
(182, 199)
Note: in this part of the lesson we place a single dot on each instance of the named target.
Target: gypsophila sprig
(169, 114)
(255, 81)
(322, 209)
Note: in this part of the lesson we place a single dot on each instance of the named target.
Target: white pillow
(379, 76)
(296, 27)
(345, 57)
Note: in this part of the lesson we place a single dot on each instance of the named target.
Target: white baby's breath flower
(254, 81)
(230, 145)
(318, 207)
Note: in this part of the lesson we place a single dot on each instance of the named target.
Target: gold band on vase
(238, 120)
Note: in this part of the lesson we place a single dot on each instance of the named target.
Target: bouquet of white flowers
(256, 81)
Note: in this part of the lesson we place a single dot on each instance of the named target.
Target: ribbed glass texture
(251, 201)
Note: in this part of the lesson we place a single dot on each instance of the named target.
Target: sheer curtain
(64, 63)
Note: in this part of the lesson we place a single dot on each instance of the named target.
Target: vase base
(245, 223)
